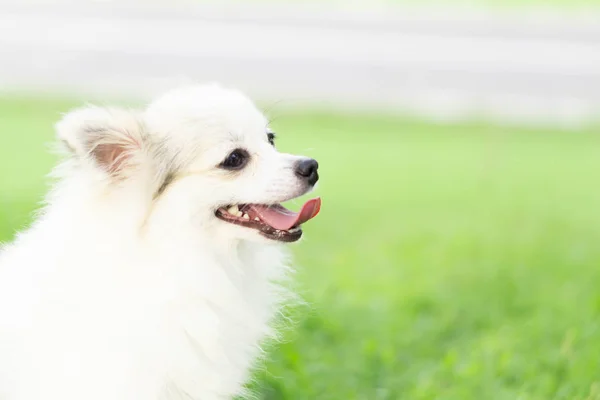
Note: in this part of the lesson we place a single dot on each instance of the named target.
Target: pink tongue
(283, 219)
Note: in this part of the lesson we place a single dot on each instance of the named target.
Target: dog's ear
(110, 138)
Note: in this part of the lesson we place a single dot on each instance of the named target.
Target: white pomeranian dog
(152, 272)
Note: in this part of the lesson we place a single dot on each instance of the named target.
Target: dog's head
(204, 155)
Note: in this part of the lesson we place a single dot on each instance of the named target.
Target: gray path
(524, 70)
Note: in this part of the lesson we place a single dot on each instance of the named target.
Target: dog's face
(205, 154)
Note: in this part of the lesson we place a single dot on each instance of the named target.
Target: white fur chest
(220, 311)
(129, 322)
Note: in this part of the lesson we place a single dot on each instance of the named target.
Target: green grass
(450, 262)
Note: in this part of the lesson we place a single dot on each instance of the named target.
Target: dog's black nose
(307, 169)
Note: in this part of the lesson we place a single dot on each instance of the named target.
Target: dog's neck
(100, 221)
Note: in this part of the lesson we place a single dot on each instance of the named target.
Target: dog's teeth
(239, 214)
(257, 219)
(233, 210)
(246, 216)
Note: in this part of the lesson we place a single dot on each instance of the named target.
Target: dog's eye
(271, 137)
(237, 159)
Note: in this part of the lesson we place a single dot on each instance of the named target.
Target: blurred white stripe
(540, 73)
(219, 39)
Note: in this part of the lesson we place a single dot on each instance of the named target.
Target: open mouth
(272, 221)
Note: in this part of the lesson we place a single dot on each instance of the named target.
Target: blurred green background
(451, 261)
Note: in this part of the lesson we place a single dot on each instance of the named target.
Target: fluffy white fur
(127, 287)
